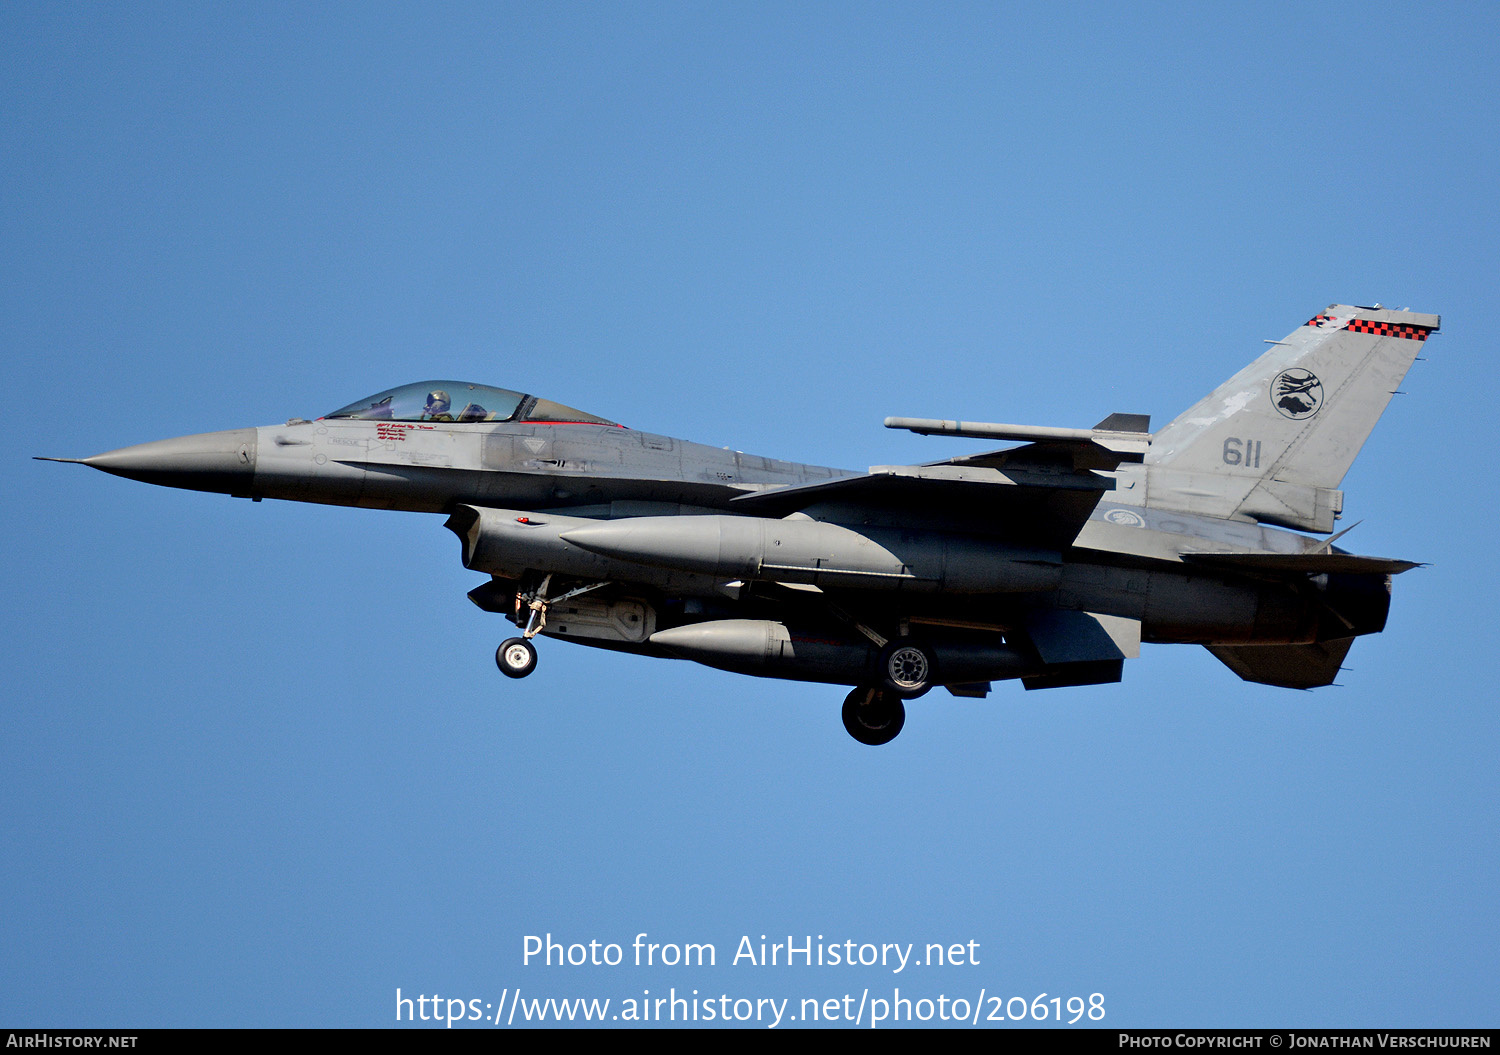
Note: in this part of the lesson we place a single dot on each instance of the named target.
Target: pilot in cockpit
(437, 407)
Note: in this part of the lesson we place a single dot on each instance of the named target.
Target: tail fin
(1274, 441)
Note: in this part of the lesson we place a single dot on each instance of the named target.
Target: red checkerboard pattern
(1380, 329)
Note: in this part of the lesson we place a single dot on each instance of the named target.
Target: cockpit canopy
(460, 401)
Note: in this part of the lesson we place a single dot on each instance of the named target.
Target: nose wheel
(516, 657)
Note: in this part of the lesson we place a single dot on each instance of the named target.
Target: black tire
(516, 657)
(906, 668)
(873, 717)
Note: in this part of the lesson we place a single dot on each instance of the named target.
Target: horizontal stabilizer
(1312, 563)
(1286, 666)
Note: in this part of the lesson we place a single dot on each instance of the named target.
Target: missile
(800, 550)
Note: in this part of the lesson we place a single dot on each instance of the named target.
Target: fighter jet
(1048, 561)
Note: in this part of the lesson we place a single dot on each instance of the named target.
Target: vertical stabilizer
(1274, 441)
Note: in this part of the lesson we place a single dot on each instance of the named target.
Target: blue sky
(257, 767)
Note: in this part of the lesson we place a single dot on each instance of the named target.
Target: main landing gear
(873, 716)
(906, 668)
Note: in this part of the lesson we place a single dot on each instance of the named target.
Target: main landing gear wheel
(516, 657)
(906, 668)
(873, 716)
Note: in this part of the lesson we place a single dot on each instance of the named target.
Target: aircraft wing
(1037, 502)
(1039, 493)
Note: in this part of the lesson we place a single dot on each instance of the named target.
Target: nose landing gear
(516, 656)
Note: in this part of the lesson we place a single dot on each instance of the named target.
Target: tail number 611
(1242, 452)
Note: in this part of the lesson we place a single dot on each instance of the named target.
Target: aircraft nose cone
(211, 461)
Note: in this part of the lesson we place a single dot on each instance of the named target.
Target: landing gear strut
(905, 669)
(873, 716)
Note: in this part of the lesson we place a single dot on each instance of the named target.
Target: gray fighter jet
(1048, 562)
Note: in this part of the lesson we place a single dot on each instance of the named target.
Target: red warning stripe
(1382, 329)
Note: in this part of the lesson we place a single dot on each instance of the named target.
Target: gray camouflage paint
(1049, 562)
